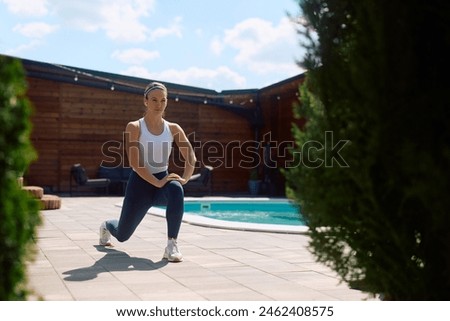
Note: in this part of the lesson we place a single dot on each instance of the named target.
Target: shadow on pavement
(113, 261)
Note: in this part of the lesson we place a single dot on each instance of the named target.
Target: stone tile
(171, 294)
(48, 287)
(230, 293)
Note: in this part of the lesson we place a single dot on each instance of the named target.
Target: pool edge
(228, 225)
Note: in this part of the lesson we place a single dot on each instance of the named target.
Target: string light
(127, 85)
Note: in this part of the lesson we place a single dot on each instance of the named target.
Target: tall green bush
(19, 213)
(377, 79)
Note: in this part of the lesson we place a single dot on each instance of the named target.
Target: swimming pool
(245, 214)
(282, 212)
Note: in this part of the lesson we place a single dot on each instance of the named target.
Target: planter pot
(254, 187)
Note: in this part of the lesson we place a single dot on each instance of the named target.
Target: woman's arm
(132, 146)
(186, 151)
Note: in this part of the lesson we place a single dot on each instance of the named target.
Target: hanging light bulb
(112, 87)
(76, 77)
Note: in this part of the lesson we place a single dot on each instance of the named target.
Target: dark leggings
(140, 195)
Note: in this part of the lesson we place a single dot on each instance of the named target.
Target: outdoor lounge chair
(201, 183)
(80, 179)
(119, 178)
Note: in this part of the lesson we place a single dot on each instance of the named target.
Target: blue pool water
(281, 212)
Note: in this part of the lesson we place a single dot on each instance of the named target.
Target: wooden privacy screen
(76, 123)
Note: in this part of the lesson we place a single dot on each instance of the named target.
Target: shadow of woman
(113, 261)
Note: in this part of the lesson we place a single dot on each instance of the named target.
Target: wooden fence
(83, 122)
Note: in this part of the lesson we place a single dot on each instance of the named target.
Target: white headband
(155, 86)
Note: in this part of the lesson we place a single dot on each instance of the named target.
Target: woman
(149, 144)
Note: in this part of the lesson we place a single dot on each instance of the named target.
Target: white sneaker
(105, 235)
(172, 254)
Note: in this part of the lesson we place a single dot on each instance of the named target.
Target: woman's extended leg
(138, 199)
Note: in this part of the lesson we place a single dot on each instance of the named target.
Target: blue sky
(220, 45)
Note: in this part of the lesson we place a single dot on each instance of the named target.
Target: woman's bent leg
(173, 195)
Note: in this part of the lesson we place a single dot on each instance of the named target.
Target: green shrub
(19, 213)
(376, 79)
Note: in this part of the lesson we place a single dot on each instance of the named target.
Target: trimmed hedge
(19, 213)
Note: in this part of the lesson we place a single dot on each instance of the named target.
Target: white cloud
(35, 8)
(216, 46)
(261, 46)
(173, 29)
(135, 56)
(24, 48)
(121, 20)
(35, 29)
(79, 14)
(208, 78)
(137, 71)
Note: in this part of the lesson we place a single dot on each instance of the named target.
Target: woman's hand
(172, 177)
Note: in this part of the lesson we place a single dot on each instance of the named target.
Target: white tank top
(155, 149)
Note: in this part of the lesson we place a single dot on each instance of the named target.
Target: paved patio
(219, 264)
